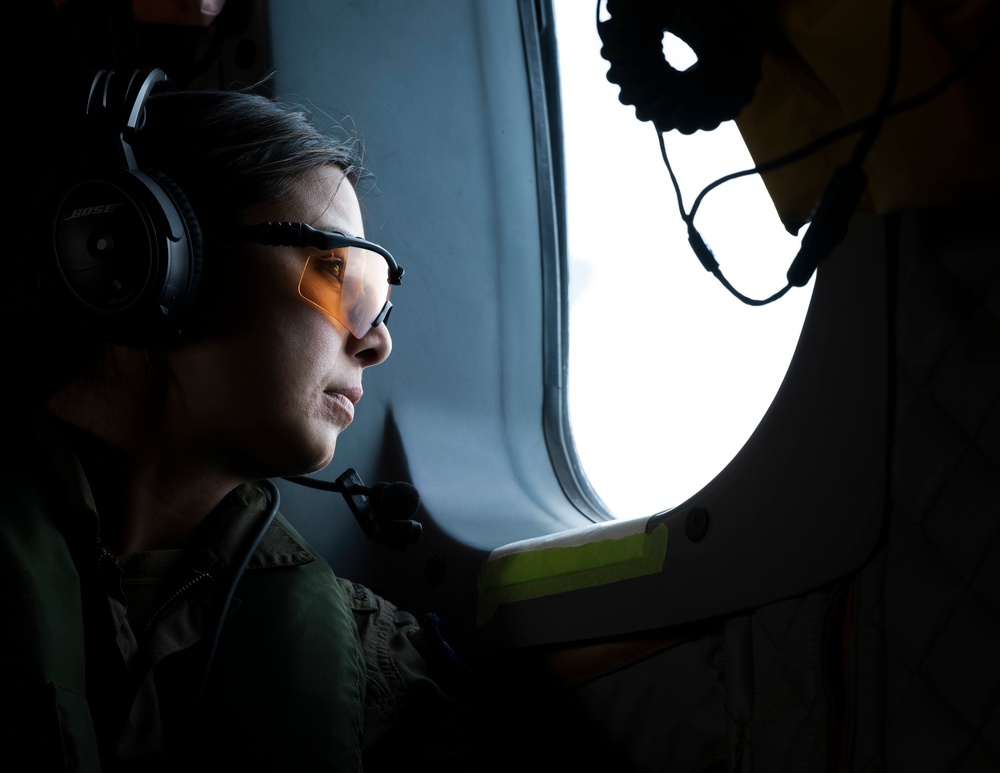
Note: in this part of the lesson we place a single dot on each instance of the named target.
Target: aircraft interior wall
(891, 666)
(839, 609)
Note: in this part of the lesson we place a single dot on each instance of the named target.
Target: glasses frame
(275, 233)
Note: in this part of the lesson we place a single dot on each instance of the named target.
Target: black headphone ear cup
(196, 247)
(128, 252)
(698, 99)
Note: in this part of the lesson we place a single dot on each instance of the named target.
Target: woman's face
(270, 389)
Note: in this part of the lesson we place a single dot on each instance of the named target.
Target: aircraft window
(668, 372)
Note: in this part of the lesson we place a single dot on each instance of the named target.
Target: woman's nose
(373, 348)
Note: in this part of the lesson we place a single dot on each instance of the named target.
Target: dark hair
(227, 151)
(231, 150)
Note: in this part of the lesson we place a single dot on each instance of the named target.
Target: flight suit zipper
(199, 576)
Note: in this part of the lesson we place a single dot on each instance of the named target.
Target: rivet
(696, 524)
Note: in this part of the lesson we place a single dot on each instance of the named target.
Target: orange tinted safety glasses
(348, 278)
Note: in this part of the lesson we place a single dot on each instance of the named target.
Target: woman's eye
(331, 264)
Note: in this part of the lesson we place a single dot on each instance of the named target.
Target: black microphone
(395, 501)
(384, 510)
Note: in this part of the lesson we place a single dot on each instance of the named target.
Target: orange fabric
(824, 66)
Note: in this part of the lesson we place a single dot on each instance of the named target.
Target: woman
(138, 518)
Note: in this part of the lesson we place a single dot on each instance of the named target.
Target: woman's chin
(322, 456)
(302, 459)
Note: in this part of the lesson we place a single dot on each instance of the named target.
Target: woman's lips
(340, 405)
(342, 401)
(351, 393)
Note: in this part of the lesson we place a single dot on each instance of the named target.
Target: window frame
(541, 52)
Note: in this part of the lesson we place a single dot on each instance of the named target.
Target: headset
(716, 89)
(127, 248)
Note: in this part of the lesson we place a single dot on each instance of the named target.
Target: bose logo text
(97, 209)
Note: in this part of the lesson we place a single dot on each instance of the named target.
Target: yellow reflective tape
(548, 571)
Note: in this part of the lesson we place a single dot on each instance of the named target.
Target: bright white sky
(669, 373)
